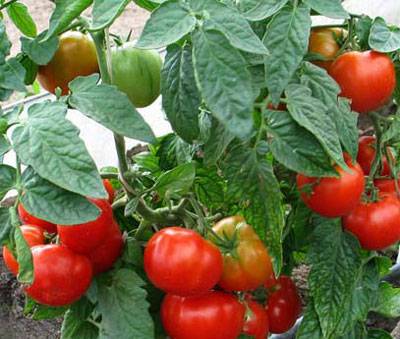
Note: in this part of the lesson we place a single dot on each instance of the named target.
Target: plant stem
(6, 4)
(393, 171)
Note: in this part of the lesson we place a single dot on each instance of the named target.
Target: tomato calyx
(227, 244)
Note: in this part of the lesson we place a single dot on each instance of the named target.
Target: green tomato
(137, 72)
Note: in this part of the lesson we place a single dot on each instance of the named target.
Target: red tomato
(104, 256)
(323, 41)
(180, 261)
(256, 322)
(386, 186)
(84, 238)
(214, 315)
(110, 190)
(248, 265)
(333, 197)
(284, 306)
(366, 155)
(375, 224)
(33, 236)
(61, 276)
(367, 78)
(75, 56)
(29, 219)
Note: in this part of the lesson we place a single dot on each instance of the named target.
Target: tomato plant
(262, 175)
(333, 197)
(247, 264)
(214, 315)
(181, 262)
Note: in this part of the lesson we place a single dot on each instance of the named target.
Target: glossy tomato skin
(180, 261)
(284, 306)
(323, 41)
(375, 224)
(386, 186)
(256, 323)
(333, 197)
(367, 78)
(110, 190)
(214, 315)
(61, 276)
(104, 256)
(366, 155)
(84, 238)
(29, 219)
(137, 72)
(75, 56)
(249, 265)
(33, 235)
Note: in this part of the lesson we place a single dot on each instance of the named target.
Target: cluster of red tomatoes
(63, 272)
(368, 79)
(203, 278)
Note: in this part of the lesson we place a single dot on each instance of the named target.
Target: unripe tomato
(367, 78)
(333, 197)
(29, 219)
(61, 276)
(256, 322)
(386, 186)
(366, 155)
(75, 56)
(284, 306)
(214, 315)
(110, 190)
(180, 261)
(375, 224)
(84, 238)
(248, 265)
(104, 256)
(33, 236)
(324, 41)
(137, 72)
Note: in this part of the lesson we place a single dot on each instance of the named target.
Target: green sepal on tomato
(330, 196)
(247, 264)
(137, 72)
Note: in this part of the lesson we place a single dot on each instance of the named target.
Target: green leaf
(31, 68)
(177, 181)
(287, 40)
(124, 307)
(42, 312)
(133, 253)
(5, 44)
(97, 101)
(262, 9)
(167, 24)
(54, 204)
(8, 177)
(12, 75)
(5, 225)
(217, 143)
(131, 206)
(310, 327)
(148, 4)
(41, 52)
(335, 258)
(221, 74)
(327, 90)
(330, 8)
(384, 38)
(251, 179)
(392, 133)
(363, 28)
(76, 324)
(24, 258)
(237, 30)
(311, 114)
(180, 96)
(377, 333)
(50, 144)
(295, 147)
(105, 12)
(21, 18)
(65, 12)
(4, 145)
(388, 303)
(209, 187)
